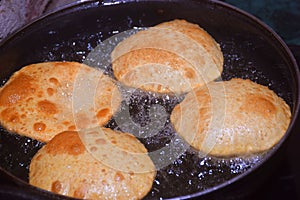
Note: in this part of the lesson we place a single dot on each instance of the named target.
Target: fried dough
(37, 101)
(68, 168)
(174, 56)
(229, 118)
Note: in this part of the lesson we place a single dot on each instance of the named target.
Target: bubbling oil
(187, 171)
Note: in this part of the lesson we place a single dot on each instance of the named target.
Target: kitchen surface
(283, 16)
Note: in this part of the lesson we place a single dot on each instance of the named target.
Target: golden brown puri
(67, 168)
(229, 118)
(174, 56)
(37, 100)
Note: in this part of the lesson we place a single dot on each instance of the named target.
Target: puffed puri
(171, 57)
(86, 165)
(231, 118)
(43, 99)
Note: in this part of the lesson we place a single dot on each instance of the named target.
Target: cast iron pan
(250, 48)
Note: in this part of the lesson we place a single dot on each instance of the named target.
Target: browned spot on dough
(16, 90)
(67, 142)
(93, 149)
(189, 73)
(61, 64)
(159, 86)
(66, 123)
(80, 192)
(54, 81)
(259, 105)
(29, 99)
(56, 187)
(102, 113)
(40, 94)
(10, 115)
(50, 91)
(131, 173)
(100, 141)
(47, 107)
(39, 157)
(72, 128)
(114, 141)
(119, 176)
(39, 126)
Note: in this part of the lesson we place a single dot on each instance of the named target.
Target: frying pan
(251, 50)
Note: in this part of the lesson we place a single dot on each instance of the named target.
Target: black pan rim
(92, 3)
